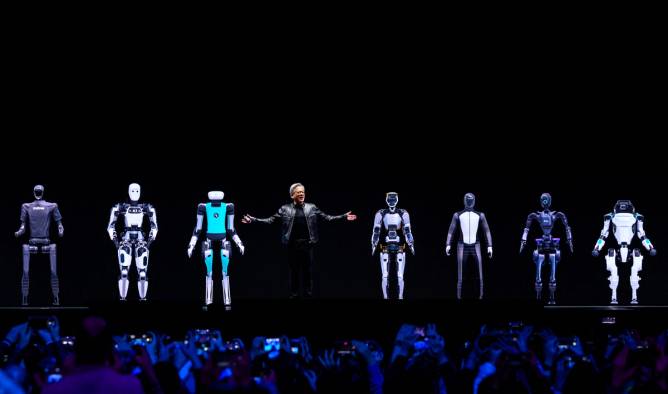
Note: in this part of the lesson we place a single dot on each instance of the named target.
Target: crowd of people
(500, 358)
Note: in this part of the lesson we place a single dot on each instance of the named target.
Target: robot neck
(216, 203)
(393, 209)
(134, 203)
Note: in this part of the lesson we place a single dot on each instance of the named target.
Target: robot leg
(55, 286)
(385, 269)
(611, 266)
(124, 261)
(554, 259)
(25, 279)
(538, 258)
(141, 259)
(460, 267)
(478, 256)
(401, 264)
(225, 258)
(635, 279)
(208, 261)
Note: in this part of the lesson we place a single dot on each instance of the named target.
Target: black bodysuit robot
(38, 215)
(470, 223)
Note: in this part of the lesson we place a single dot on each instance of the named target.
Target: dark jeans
(300, 262)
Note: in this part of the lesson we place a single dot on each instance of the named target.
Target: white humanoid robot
(133, 240)
(219, 224)
(393, 220)
(625, 223)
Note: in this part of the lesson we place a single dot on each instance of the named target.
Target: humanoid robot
(133, 240)
(625, 223)
(392, 220)
(469, 222)
(219, 225)
(546, 246)
(38, 216)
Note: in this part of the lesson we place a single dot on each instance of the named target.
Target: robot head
(134, 191)
(216, 195)
(392, 199)
(545, 200)
(469, 200)
(624, 206)
(38, 191)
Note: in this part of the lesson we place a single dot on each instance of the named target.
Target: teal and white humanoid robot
(219, 225)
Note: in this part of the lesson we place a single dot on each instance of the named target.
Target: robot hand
(489, 251)
(112, 234)
(191, 247)
(21, 231)
(151, 235)
(447, 250)
(522, 245)
(570, 244)
(373, 249)
(652, 252)
(595, 252)
(412, 250)
(241, 248)
(61, 230)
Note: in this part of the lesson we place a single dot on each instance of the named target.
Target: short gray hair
(294, 186)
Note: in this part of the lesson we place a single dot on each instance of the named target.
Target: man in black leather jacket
(299, 232)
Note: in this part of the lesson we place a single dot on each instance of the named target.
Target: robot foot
(634, 301)
(613, 301)
(123, 299)
(551, 302)
(56, 301)
(24, 301)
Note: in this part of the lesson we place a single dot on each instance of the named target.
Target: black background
(505, 120)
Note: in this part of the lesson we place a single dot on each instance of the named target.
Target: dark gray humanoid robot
(38, 215)
(546, 246)
(470, 222)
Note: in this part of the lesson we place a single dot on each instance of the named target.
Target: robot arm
(153, 219)
(604, 235)
(375, 235)
(24, 218)
(569, 236)
(57, 217)
(201, 211)
(111, 228)
(641, 234)
(451, 232)
(488, 234)
(530, 219)
(407, 230)
(230, 228)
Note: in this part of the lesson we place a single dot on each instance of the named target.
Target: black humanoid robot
(470, 223)
(546, 246)
(38, 215)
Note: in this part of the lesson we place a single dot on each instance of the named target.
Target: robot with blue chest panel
(219, 225)
(546, 245)
(625, 223)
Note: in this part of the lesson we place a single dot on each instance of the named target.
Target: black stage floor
(324, 321)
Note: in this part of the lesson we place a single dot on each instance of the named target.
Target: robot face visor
(216, 195)
(134, 191)
(38, 192)
(624, 206)
(392, 199)
(469, 200)
(545, 200)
